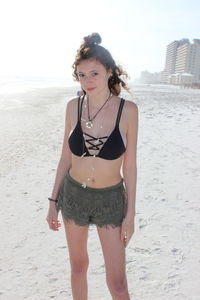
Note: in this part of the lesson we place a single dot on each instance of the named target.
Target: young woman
(100, 142)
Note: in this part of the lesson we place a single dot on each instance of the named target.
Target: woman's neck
(96, 101)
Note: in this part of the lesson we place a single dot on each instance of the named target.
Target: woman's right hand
(52, 217)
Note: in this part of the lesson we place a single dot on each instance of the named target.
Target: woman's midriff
(106, 172)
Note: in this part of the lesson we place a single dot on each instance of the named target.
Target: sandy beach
(162, 257)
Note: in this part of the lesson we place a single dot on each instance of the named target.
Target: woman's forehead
(89, 65)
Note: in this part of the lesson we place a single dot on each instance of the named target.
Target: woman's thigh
(76, 237)
(113, 251)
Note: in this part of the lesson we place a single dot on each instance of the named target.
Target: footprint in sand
(175, 250)
(143, 223)
(144, 277)
(51, 280)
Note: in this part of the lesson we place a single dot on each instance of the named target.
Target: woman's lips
(91, 89)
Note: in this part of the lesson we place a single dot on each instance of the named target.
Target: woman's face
(93, 76)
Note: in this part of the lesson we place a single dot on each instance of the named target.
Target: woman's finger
(123, 231)
(55, 224)
(124, 235)
(125, 240)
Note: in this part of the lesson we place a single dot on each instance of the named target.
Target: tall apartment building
(194, 60)
(171, 55)
(182, 57)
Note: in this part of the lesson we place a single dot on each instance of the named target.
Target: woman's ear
(110, 72)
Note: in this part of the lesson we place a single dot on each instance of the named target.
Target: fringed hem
(80, 223)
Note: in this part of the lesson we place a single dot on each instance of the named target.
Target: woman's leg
(114, 256)
(77, 244)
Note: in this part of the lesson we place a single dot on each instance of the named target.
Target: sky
(41, 37)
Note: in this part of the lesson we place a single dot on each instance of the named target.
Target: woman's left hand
(127, 229)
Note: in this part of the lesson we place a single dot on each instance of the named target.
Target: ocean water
(19, 84)
(13, 88)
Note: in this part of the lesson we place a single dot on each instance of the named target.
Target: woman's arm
(129, 169)
(66, 155)
(130, 160)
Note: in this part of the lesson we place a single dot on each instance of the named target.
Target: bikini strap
(80, 107)
(120, 111)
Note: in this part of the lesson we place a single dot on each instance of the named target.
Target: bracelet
(50, 199)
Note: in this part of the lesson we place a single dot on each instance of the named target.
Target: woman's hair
(90, 49)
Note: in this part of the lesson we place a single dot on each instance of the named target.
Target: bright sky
(40, 37)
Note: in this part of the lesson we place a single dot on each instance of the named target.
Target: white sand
(163, 256)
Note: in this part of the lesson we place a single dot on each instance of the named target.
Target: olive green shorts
(99, 206)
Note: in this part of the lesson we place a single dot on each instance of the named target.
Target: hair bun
(92, 39)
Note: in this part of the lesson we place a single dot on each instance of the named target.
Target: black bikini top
(113, 145)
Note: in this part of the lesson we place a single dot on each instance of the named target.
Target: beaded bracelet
(50, 199)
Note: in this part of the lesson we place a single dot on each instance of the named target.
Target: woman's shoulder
(72, 101)
(71, 104)
(130, 113)
(130, 107)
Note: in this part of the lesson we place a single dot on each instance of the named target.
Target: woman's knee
(117, 286)
(79, 266)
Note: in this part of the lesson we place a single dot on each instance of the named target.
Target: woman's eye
(94, 74)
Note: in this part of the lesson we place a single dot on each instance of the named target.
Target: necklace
(91, 177)
(89, 123)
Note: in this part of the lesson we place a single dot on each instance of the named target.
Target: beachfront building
(147, 77)
(171, 56)
(194, 60)
(181, 78)
(182, 62)
(182, 59)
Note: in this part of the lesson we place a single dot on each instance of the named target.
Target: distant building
(182, 64)
(147, 77)
(181, 78)
(171, 56)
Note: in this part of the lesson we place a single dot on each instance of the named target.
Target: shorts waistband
(112, 187)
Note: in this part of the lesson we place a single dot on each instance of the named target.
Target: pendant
(89, 124)
(84, 185)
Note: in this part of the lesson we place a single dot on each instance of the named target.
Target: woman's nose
(89, 78)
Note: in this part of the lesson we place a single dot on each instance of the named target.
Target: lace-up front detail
(97, 141)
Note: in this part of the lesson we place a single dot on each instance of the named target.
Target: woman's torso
(106, 172)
